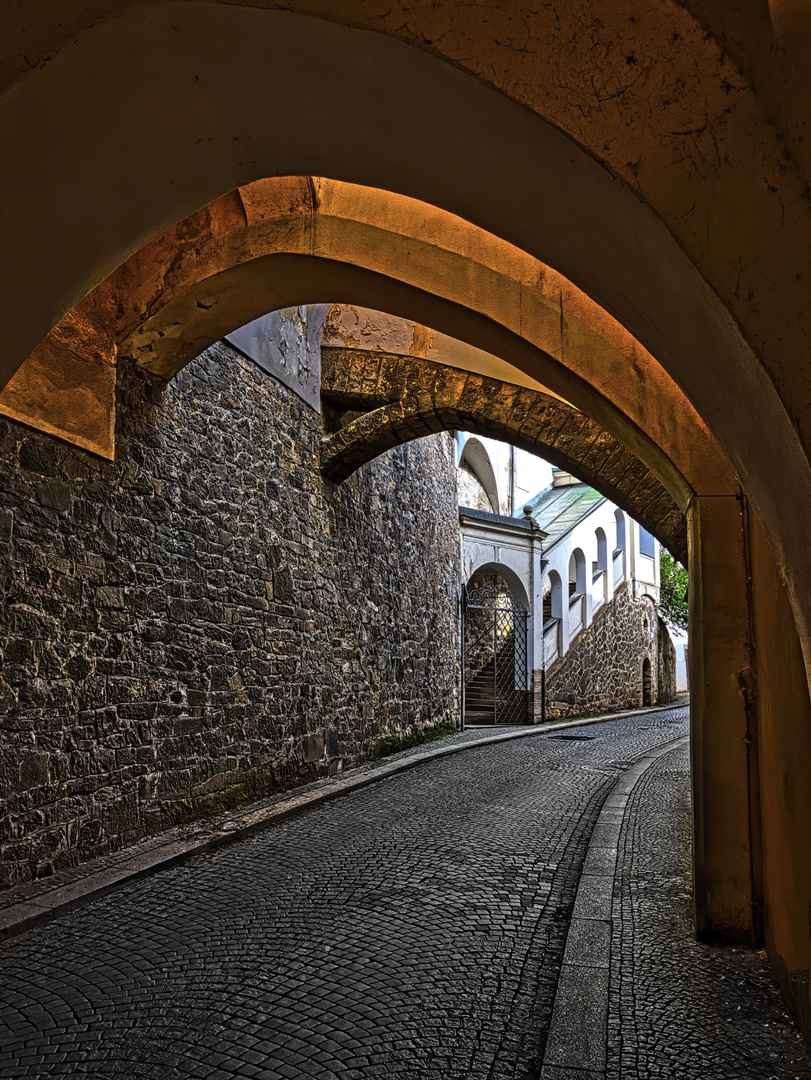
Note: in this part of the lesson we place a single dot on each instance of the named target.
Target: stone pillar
(784, 723)
(726, 848)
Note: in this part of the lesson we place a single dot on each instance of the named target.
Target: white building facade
(566, 556)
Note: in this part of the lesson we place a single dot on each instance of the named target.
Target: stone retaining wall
(602, 671)
(668, 686)
(207, 620)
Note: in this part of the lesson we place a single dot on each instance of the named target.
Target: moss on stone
(395, 741)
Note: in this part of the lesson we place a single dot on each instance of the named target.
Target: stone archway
(190, 295)
(668, 252)
(563, 205)
(291, 240)
(496, 651)
(417, 397)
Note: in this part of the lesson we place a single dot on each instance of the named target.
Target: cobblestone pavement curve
(680, 1010)
(412, 929)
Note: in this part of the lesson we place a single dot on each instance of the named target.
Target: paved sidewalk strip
(413, 930)
(24, 907)
(578, 1036)
(638, 997)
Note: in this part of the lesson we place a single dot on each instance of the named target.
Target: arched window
(601, 563)
(619, 519)
(619, 550)
(552, 616)
(552, 597)
(647, 543)
(599, 570)
(577, 573)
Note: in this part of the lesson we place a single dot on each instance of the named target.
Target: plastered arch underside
(433, 127)
(228, 263)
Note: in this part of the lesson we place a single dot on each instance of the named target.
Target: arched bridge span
(405, 398)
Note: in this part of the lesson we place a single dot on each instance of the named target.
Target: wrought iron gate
(495, 643)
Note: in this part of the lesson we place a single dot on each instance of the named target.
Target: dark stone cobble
(413, 929)
(680, 1010)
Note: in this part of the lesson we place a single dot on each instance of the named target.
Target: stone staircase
(481, 692)
(480, 696)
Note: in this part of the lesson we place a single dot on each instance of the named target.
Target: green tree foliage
(673, 595)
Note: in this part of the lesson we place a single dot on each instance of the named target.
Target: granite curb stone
(31, 905)
(578, 1036)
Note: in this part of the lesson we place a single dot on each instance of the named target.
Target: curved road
(412, 929)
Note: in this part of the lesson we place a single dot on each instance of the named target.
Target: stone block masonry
(602, 671)
(207, 620)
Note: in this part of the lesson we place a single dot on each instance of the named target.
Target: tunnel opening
(716, 518)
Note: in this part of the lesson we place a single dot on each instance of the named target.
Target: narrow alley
(417, 928)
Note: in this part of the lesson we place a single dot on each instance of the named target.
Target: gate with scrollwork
(495, 652)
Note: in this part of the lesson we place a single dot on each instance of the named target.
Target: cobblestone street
(414, 928)
(679, 1009)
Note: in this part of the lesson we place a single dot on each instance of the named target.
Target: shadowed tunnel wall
(651, 154)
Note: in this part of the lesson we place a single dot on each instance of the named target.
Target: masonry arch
(632, 234)
(295, 240)
(517, 587)
(489, 308)
(497, 646)
(430, 397)
(474, 456)
(580, 217)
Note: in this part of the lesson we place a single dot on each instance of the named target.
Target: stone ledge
(578, 1033)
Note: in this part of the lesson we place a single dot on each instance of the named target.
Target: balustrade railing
(619, 566)
(551, 641)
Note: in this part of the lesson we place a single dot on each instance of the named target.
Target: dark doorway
(495, 643)
(647, 683)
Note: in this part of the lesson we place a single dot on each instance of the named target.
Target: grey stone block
(577, 1036)
(588, 943)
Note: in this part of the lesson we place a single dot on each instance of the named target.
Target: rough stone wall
(207, 620)
(602, 671)
(668, 683)
(471, 491)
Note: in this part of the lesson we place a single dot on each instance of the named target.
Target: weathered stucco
(644, 167)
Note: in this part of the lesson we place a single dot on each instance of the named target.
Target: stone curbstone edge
(58, 899)
(577, 1044)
